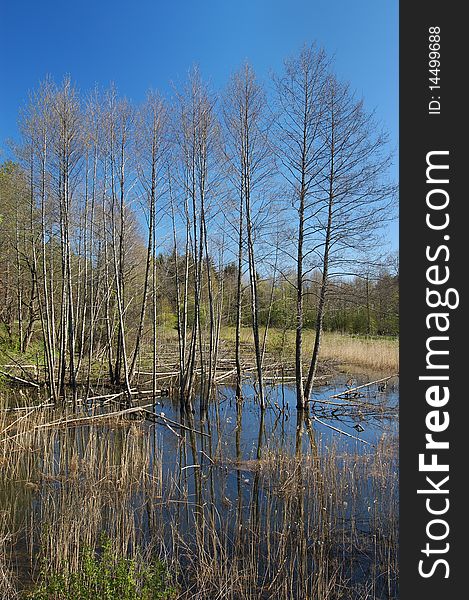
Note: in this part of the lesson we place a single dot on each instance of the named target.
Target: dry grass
(380, 355)
(376, 354)
(309, 529)
(320, 525)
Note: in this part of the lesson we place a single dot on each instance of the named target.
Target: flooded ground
(238, 502)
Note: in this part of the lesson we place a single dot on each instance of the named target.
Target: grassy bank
(347, 352)
(376, 353)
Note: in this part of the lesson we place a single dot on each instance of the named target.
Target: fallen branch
(20, 380)
(32, 409)
(359, 387)
(354, 437)
(153, 416)
(225, 375)
(78, 420)
(23, 368)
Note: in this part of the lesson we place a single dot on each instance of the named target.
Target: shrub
(106, 576)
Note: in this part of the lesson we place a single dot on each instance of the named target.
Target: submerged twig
(359, 387)
(354, 437)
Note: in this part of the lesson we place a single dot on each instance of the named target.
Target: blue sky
(144, 44)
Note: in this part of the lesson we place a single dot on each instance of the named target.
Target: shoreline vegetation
(89, 476)
(374, 356)
(209, 521)
(354, 352)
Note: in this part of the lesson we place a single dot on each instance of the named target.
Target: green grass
(106, 576)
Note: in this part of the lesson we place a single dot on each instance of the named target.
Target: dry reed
(320, 524)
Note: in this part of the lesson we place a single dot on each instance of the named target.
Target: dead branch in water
(354, 437)
(19, 379)
(359, 387)
(77, 421)
(167, 421)
(82, 420)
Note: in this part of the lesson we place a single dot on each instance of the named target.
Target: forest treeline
(257, 206)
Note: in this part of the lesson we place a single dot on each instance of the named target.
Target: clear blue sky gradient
(144, 44)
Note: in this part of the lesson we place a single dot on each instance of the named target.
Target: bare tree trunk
(155, 313)
(300, 396)
(196, 133)
(254, 301)
(325, 270)
(299, 126)
(211, 351)
(249, 154)
(118, 137)
(151, 131)
(82, 276)
(47, 308)
(92, 295)
(19, 283)
(220, 297)
(271, 303)
(368, 312)
(239, 302)
(108, 287)
(196, 277)
(179, 310)
(149, 259)
(321, 304)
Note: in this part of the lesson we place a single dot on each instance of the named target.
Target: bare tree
(119, 124)
(92, 140)
(66, 162)
(354, 195)
(37, 132)
(196, 131)
(249, 153)
(300, 145)
(151, 150)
